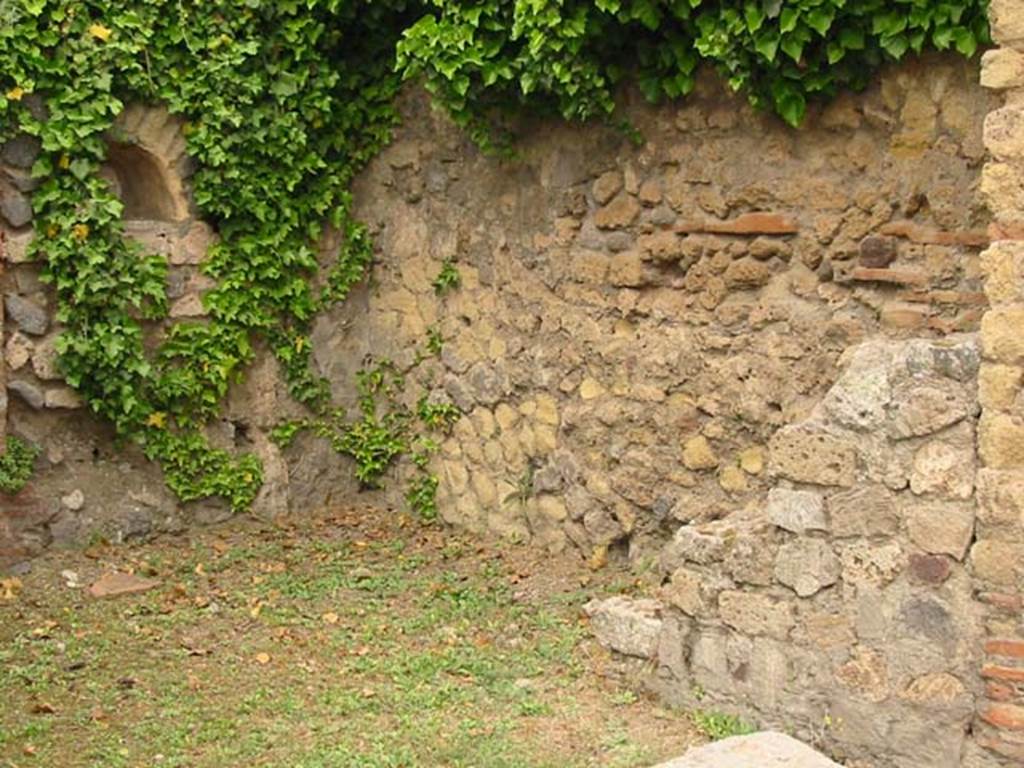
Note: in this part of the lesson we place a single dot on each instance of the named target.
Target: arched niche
(145, 163)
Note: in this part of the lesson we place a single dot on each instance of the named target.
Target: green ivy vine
(286, 100)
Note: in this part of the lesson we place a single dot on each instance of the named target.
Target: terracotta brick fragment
(1002, 601)
(929, 236)
(999, 691)
(897, 276)
(1002, 746)
(1007, 674)
(745, 224)
(1011, 649)
(1009, 717)
(1006, 230)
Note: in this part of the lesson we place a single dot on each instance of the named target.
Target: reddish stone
(1013, 649)
(928, 236)
(1006, 230)
(1004, 602)
(930, 569)
(996, 672)
(745, 224)
(898, 276)
(116, 583)
(1009, 717)
(877, 252)
(999, 691)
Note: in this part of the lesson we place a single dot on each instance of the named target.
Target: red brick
(1002, 746)
(1009, 717)
(929, 236)
(999, 691)
(964, 321)
(1012, 649)
(1009, 674)
(898, 315)
(1002, 601)
(898, 276)
(959, 298)
(745, 224)
(1007, 230)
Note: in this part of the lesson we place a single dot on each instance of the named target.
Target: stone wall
(738, 357)
(996, 555)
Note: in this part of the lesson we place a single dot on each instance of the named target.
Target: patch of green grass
(718, 725)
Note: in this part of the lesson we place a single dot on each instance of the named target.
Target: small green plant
(439, 416)
(435, 341)
(718, 725)
(16, 464)
(523, 486)
(448, 278)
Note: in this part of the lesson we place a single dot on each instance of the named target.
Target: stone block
(15, 207)
(606, 186)
(1001, 441)
(1006, 18)
(809, 454)
(627, 625)
(1002, 68)
(14, 246)
(868, 510)
(866, 674)
(999, 385)
(945, 466)
(1001, 498)
(1003, 266)
(690, 591)
(941, 528)
(618, 214)
(807, 566)
(796, 511)
(924, 408)
(760, 750)
(1002, 188)
(29, 316)
(692, 545)
(996, 561)
(755, 614)
(1004, 133)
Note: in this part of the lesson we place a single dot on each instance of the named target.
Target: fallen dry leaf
(262, 659)
(330, 618)
(117, 583)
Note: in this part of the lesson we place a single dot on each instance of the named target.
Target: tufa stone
(27, 315)
(627, 625)
(796, 511)
(807, 566)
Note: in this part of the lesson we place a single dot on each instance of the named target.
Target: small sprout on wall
(448, 278)
(16, 464)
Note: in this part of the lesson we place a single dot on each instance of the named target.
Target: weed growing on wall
(285, 102)
(16, 464)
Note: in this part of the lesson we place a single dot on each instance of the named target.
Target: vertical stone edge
(997, 553)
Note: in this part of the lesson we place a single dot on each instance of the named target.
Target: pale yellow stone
(698, 454)
(591, 389)
(1001, 441)
(505, 416)
(752, 460)
(545, 440)
(527, 440)
(1002, 68)
(732, 479)
(998, 386)
(528, 408)
(547, 410)
(494, 454)
(1006, 18)
(484, 422)
(484, 488)
(457, 477)
(1002, 334)
(996, 561)
(1003, 265)
(497, 348)
(552, 507)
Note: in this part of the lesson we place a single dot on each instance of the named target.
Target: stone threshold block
(767, 749)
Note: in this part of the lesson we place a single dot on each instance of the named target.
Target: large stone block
(1001, 337)
(756, 614)
(941, 528)
(1003, 265)
(796, 511)
(999, 385)
(1007, 20)
(627, 625)
(809, 454)
(1001, 441)
(760, 750)
(1001, 498)
(945, 465)
(996, 561)
(1002, 68)
(1002, 187)
(868, 510)
(1004, 133)
(807, 566)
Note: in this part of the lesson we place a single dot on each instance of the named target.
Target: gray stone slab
(760, 750)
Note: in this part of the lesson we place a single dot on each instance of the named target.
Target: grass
(353, 639)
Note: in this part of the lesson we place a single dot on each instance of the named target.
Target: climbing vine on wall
(286, 100)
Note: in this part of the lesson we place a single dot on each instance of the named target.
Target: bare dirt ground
(355, 637)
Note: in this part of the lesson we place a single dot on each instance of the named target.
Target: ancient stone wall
(739, 357)
(996, 555)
